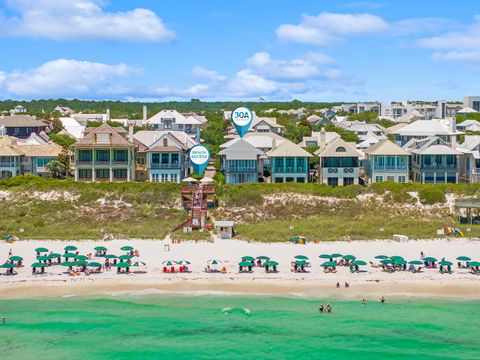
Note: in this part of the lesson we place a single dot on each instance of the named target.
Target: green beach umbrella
(248, 258)
(70, 248)
(386, 261)
(445, 263)
(8, 266)
(301, 257)
(81, 263)
(325, 256)
(125, 257)
(110, 256)
(329, 264)
(399, 262)
(463, 258)
(15, 258)
(126, 248)
(168, 263)
(68, 263)
(393, 258)
(37, 265)
(183, 262)
(474, 263)
(122, 265)
(263, 257)
(43, 258)
(359, 262)
(430, 259)
(336, 255)
(348, 257)
(100, 248)
(41, 250)
(381, 257)
(271, 263)
(245, 264)
(415, 262)
(138, 263)
(54, 255)
(69, 255)
(94, 264)
(301, 262)
(81, 257)
(214, 262)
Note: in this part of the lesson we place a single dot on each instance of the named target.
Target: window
(140, 160)
(332, 181)
(84, 155)
(301, 179)
(279, 180)
(103, 155)
(85, 174)
(154, 177)
(401, 179)
(103, 138)
(120, 173)
(102, 174)
(120, 155)
(174, 158)
(341, 149)
(378, 178)
(155, 158)
(301, 164)
(311, 143)
(174, 178)
(290, 164)
(348, 181)
(167, 124)
(42, 162)
(165, 158)
(289, 179)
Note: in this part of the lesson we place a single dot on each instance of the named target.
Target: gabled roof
(385, 147)
(432, 145)
(173, 114)
(272, 122)
(241, 150)
(467, 123)
(48, 150)
(331, 150)
(467, 110)
(329, 137)
(261, 140)
(20, 121)
(427, 128)
(8, 147)
(115, 138)
(149, 137)
(288, 148)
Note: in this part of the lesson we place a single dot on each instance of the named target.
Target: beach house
(339, 163)
(433, 160)
(21, 126)
(470, 161)
(469, 125)
(386, 161)
(10, 158)
(289, 163)
(422, 129)
(266, 124)
(105, 154)
(241, 162)
(173, 120)
(163, 155)
(318, 138)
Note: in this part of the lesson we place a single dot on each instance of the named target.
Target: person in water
(329, 308)
(382, 300)
(364, 302)
(320, 308)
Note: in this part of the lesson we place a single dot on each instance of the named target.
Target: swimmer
(364, 302)
(320, 308)
(382, 300)
(329, 308)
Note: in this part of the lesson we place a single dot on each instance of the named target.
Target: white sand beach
(371, 283)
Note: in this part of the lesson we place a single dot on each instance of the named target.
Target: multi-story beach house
(386, 161)
(289, 163)
(433, 160)
(339, 163)
(241, 162)
(10, 158)
(266, 124)
(470, 161)
(173, 120)
(163, 154)
(21, 126)
(105, 154)
(422, 129)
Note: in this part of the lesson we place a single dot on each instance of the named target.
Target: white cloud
(422, 25)
(246, 83)
(82, 19)
(64, 77)
(326, 27)
(201, 72)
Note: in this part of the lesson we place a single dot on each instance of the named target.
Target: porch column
(435, 177)
(110, 171)
(94, 159)
(445, 177)
(423, 178)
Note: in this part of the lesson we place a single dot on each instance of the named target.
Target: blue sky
(240, 49)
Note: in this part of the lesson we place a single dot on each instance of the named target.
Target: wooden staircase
(195, 201)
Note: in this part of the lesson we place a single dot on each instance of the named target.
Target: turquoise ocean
(172, 326)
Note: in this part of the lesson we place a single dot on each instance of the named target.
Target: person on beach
(422, 255)
(347, 285)
(10, 253)
(364, 302)
(338, 285)
(382, 300)
(320, 308)
(329, 308)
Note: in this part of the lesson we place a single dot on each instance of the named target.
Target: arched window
(340, 149)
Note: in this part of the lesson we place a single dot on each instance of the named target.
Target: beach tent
(207, 180)
(100, 248)
(263, 257)
(245, 264)
(415, 262)
(183, 262)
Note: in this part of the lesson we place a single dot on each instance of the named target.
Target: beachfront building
(318, 139)
(386, 161)
(21, 126)
(266, 124)
(422, 129)
(241, 162)
(105, 154)
(173, 120)
(162, 156)
(469, 125)
(10, 158)
(433, 160)
(470, 161)
(339, 163)
(289, 163)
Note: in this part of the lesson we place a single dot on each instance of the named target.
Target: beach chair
(165, 269)
(172, 269)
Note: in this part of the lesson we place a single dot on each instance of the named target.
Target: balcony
(8, 164)
(241, 169)
(439, 166)
(157, 166)
(340, 170)
(289, 170)
(390, 168)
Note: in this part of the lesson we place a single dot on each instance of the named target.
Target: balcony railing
(289, 170)
(241, 169)
(390, 168)
(8, 164)
(439, 166)
(156, 166)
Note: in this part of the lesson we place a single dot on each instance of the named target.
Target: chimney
(108, 115)
(453, 129)
(274, 143)
(144, 112)
(130, 131)
(323, 138)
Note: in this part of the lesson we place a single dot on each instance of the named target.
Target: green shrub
(431, 195)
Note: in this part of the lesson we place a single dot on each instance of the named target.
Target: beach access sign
(199, 157)
(242, 118)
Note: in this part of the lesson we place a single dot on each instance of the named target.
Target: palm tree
(57, 169)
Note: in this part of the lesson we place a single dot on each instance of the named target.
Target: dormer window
(165, 142)
(340, 149)
(103, 138)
